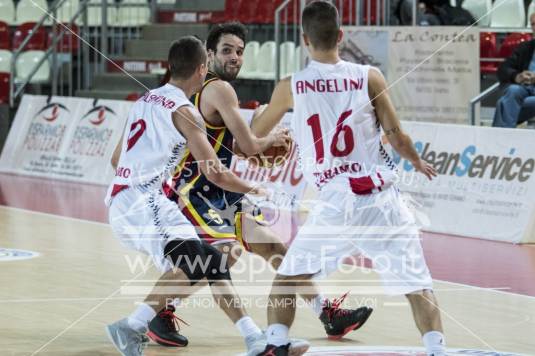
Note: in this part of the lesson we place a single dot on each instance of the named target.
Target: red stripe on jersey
(117, 188)
(380, 178)
(362, 185)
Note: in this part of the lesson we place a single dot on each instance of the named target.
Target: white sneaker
(126, 340)
(298, 347)
(255, 344)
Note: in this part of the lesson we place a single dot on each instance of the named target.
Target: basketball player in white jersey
(339, 109)
(162, 127)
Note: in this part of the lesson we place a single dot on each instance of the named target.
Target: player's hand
(281, 138)
(425, 168)
(259, 192)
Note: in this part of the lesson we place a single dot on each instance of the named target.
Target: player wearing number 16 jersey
(339, 109)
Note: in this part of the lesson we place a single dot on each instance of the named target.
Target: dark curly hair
(232, 28)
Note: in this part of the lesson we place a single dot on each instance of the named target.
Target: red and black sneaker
(272, 350)
(164, 328)
(338, 322)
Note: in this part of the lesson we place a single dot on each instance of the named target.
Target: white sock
(317, 304)
(247, 327)
(140, 318)
(277, 334)
(434, 343)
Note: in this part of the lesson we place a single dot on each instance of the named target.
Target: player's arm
(281, 101)
(191, 125)
(222, 97)
(386, 114)
(117, 154)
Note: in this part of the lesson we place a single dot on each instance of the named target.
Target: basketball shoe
(164, 328)
(126, 340)
(338, 322)
(272, 350)
(257, 343)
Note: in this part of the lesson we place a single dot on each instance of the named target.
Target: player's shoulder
(219, 85)
(168, 92)
(219, 92)
(375, 78)
(286, 81)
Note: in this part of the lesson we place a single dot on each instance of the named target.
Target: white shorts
(147, 221)
(377, 226)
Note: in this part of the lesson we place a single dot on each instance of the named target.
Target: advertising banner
(486, 182)
(485, 187)
(285, 178)
(64, 138)
(432, 72)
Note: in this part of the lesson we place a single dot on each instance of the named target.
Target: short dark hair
(185, 56)
(232, 28)
(321, 24)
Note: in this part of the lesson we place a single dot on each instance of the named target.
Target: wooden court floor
(58, 303)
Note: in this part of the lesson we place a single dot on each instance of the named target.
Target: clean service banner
(432, 72)
(486, 182)
(65, 138)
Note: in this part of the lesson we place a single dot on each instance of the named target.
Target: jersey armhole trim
(198, 103)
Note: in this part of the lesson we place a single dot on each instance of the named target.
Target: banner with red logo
(73, 139)
(285, 179)
(65, 138)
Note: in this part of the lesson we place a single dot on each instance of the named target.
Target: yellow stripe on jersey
(197, 102)
(202, 223)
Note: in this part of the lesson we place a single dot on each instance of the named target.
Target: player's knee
(419, 293)
(187, 255)
(274, 254)
(279, 249)
(217, 266)
(266, 244)
(197, 260)
(414, 294)
(231, 252)
(261, 249)
(422, 296)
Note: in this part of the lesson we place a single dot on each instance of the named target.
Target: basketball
(273, 156)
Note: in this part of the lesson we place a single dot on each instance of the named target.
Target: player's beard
(224, 73)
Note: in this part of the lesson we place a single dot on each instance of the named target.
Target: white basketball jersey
(335, 127)
(152, 146)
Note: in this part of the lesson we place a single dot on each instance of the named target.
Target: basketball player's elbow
(114, 161)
